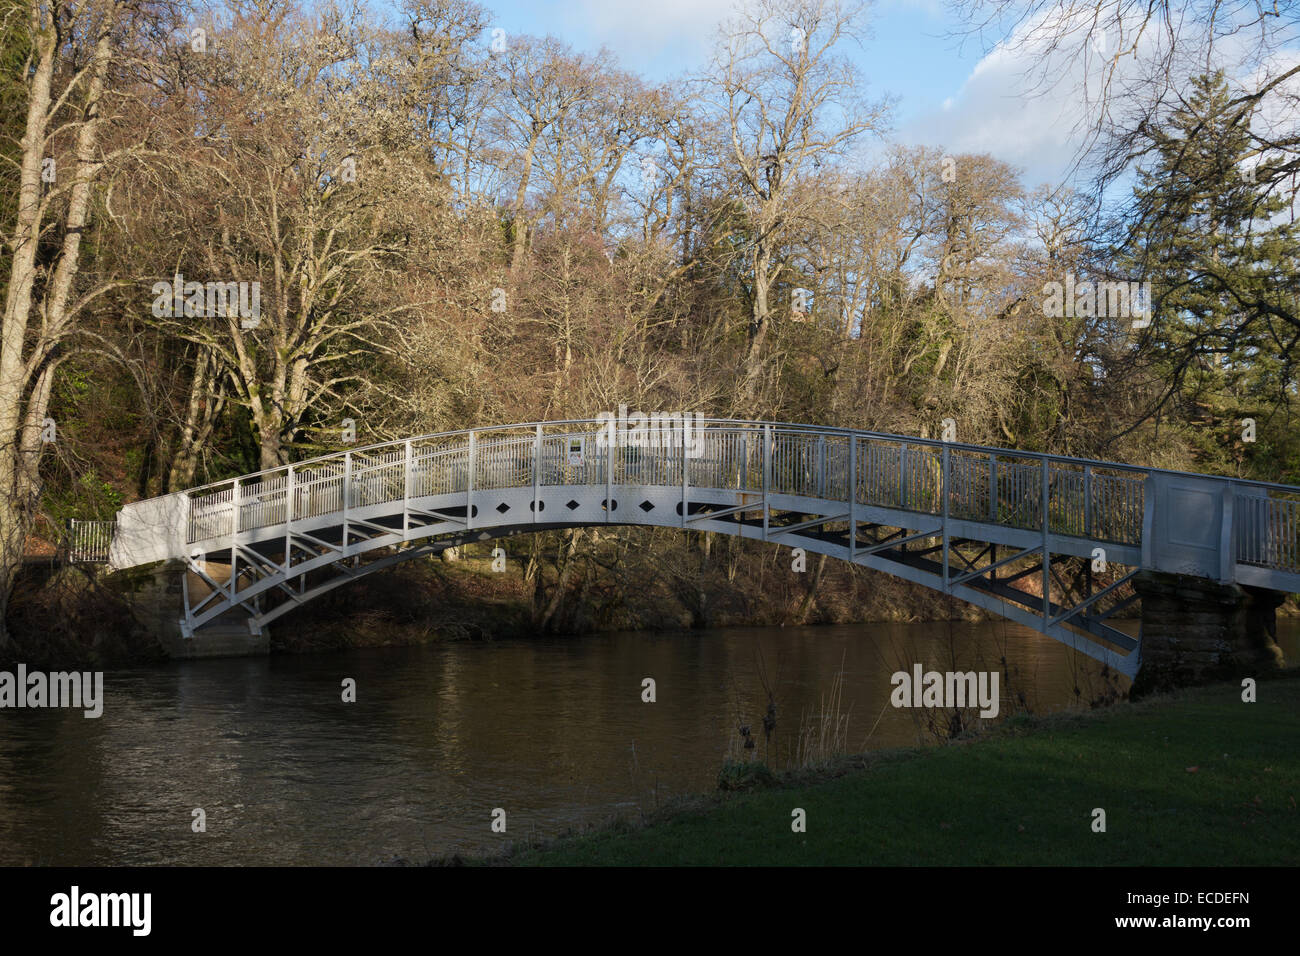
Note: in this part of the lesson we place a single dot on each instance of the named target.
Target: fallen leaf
(1193, 769)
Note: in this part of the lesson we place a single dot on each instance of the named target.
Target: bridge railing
(89, 541)
(1005, 489)
(1266, 525)
(1101, 501)
(996, 486)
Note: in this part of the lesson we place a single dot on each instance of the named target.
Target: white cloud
(1001, 110)
(935, 9)
(992, 115)
(640, 32)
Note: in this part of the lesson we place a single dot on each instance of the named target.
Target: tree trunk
(521, 196)
(28, 360)
(205, 403)
(561, 582)
(808, 599)
(758, 324)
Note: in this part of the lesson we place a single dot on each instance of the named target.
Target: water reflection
(553, 731)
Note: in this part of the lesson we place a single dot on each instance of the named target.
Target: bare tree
(1135, 68)
(791, 106)
(75, 50)
(312, 182)
(543, 81)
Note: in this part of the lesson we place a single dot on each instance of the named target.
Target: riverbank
(653, 586)
(1196, 778)
(628, 580)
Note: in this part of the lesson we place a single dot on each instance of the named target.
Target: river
(554, 732)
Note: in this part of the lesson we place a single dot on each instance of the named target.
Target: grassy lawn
(1022, 796)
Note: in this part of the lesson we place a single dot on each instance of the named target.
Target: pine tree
(1212, 245)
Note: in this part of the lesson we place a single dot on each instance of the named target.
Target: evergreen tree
(1217, 255)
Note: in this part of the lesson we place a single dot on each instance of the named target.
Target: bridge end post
(686, 475)
(289, 493)
(609, 474)
(406, 492)
(537, 471)
(1045, 494)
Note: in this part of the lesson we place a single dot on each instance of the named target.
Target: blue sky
(907, 55)
(960, 96)
(949, 94)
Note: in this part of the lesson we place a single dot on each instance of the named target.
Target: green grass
(1022, 796)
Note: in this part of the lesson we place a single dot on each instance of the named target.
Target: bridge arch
(973, 522)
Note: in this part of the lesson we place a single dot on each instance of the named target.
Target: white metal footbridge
(1014, 532)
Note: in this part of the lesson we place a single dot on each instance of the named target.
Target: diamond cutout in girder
(502, 508)
(646, 506)
(572, 505)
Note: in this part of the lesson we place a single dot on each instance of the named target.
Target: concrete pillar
(1195, 631)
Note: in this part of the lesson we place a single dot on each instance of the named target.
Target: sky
(950, 94)
(952, 91)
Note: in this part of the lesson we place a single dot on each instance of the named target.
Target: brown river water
(553, 731)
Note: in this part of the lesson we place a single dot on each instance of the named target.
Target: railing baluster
(1047, 558)
(288, 521)
(903, 476)
(767, 473)
(853, 498)
(993, 488)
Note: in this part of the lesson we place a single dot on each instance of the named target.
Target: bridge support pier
(1195, 630)
(158, 602)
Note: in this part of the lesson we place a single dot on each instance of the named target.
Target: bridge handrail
(734, 422)
(1108, 502)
